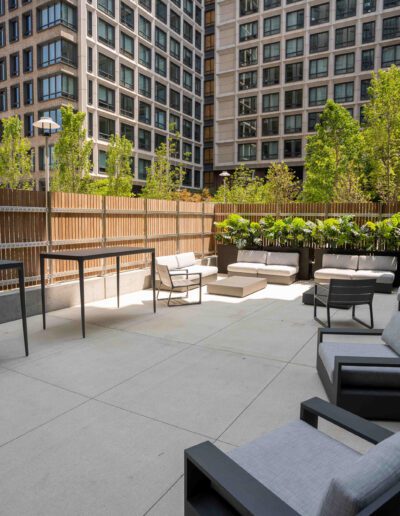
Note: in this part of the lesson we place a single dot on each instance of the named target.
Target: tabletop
(97, 252)
(9, 264)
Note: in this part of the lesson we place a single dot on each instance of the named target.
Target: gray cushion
(206, 270)
(275, 258)
(244, 267)
(391, 334)
(250, 256)
(378, 263)
(329, 273)
(170, 261)
(296, 462)
(370, 476)
(386, 277)
(340, 261)
(185, 259)
(278, 270)
(358, 376)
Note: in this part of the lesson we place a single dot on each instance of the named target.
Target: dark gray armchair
(298, 470)
(178, 281)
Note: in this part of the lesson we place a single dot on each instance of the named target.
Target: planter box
(226, 254)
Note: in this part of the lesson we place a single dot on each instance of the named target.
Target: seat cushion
(386, 277)
(244, 267)
(377, 263)
(358, 376)
(206, 270)
(185, 259)
(296, 462)
(290, 259)
(251, 256)
(171, 261)
(340, 261)
(329, 273)
(277, 270)
(369, 477)
(391, 334)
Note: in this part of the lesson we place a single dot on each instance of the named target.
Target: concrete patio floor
(98, 426)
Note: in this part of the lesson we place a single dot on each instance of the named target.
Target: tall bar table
(81, 256)
(10, 264)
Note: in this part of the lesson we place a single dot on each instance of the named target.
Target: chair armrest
(215, 484)
(179, 272)
(199, 274)
(347, 331)
(313, 408)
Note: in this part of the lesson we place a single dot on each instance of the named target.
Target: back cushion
(340, 261)
(252, 256)
(377, 263)
(391, 334)
(186, 259)
(370, 477)
(170, 261)
(291, 259)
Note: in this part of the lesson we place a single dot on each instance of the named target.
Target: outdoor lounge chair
(362, 377)
(298, 470)
(178, 281)
(345, 294)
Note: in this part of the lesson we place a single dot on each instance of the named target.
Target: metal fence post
(177, 227)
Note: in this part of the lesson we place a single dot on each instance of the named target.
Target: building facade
(278, 61)
(135, 69)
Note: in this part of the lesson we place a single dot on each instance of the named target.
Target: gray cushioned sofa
(362, 377)
(348, 266)
(186, 262)
(275, 267)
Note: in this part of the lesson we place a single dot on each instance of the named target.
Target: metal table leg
(153, 279)
(118, 269)
(42, 287)
(82, 294)
(23, 306)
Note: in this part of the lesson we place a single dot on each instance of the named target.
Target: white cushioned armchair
(186, 263)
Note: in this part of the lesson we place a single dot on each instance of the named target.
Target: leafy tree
(72, 154)
(282, 184)
(15, 160)
(350, 188)
(382, 132)
(337, 147)
(242, 187)
(118, 166)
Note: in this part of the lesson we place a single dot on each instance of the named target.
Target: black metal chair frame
(345, 294)
(215, 484)
(373, 403)
(178, 288)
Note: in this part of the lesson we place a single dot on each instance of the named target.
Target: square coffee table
(236, 286)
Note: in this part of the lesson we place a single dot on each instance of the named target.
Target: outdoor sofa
(275, 267)
(182, 263)
(348, 266)
(298, 470)
(362, 377)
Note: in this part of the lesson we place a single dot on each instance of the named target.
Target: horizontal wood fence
(34, 222)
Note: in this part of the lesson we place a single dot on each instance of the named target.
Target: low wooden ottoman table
(236, 286)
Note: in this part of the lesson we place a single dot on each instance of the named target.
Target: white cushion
(340, 261)
(291, 259)
(248, 268)
(185, 259)
(206, 270)
(251, 256)
(278, 270)
(170, 261)
(391, 334)
(329, 273)
(380, 276)
(377, 263)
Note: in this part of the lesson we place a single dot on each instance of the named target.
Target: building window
(293, 124)
(60, 85)
(159, 139)
(15, 97)
(368, 32)
(187, 80)
(127, 45)
(294, 47)
(344, 92)
(3, 69)
(126, 76)
(106, 98)
(247, 129)
(293, 99)
(369, 6)
(294, 72)
(318, 68)
(89, 23)
(391, 27)
(126, 107)
(175, 21)
(90, 60)
(247, 152)
(247, 80)
(28, 125)
(2, 35)
(144, 113)
(160, 93)
(175, 48)
(174, 99)
(248, 56)
(272, 25)
(146, 4)
(345, 37)
(368, 59)
(160, 65)
(345, 8)
(102, 161)
(161, 39)
(271, 52)
(295, 20)
(248, 7)
(106, 33)
(270, 102)
(107, 6)
(106, 128)
(187, 57)
(143, 165)
(27, 56)
(188, 32)
(42, 157)
(90, 125)
(13, 30)
(269, 150)
(28, 93)
(270, 126)
(144, 140)
(14, 65)
(313, 120)
(248, 31)
(145, 56)
(364, 85)
(271, 4)
(344, 64)
(248, 105)
(27, 24)
(319, 42)
(55, 114)
(317, 96)
(58, 13)
(12, 4)
(174, 73)
(387, 4)
(292, 149)
(106, 67)
(271, 76)
(58, 51)
(390, 55)
(128, 131)
(3, 100)
(161, 11)
(174, 123)
(187, 106)
(145, 85)
(127, 16)
(319, 14)
(144, 28)
(187, 128)
(90, 92)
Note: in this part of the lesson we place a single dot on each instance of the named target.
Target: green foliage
(335, 151)
(341, 232)
(382, 133)
(72, 154)
(291, 231)
(239, 231)
(15, 160)
(118, 166)
(281, 184)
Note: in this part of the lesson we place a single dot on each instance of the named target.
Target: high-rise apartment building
(134, 67)
(278, 61)
(209, 83)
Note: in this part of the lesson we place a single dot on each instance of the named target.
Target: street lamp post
(47, 125)
(225, 174)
